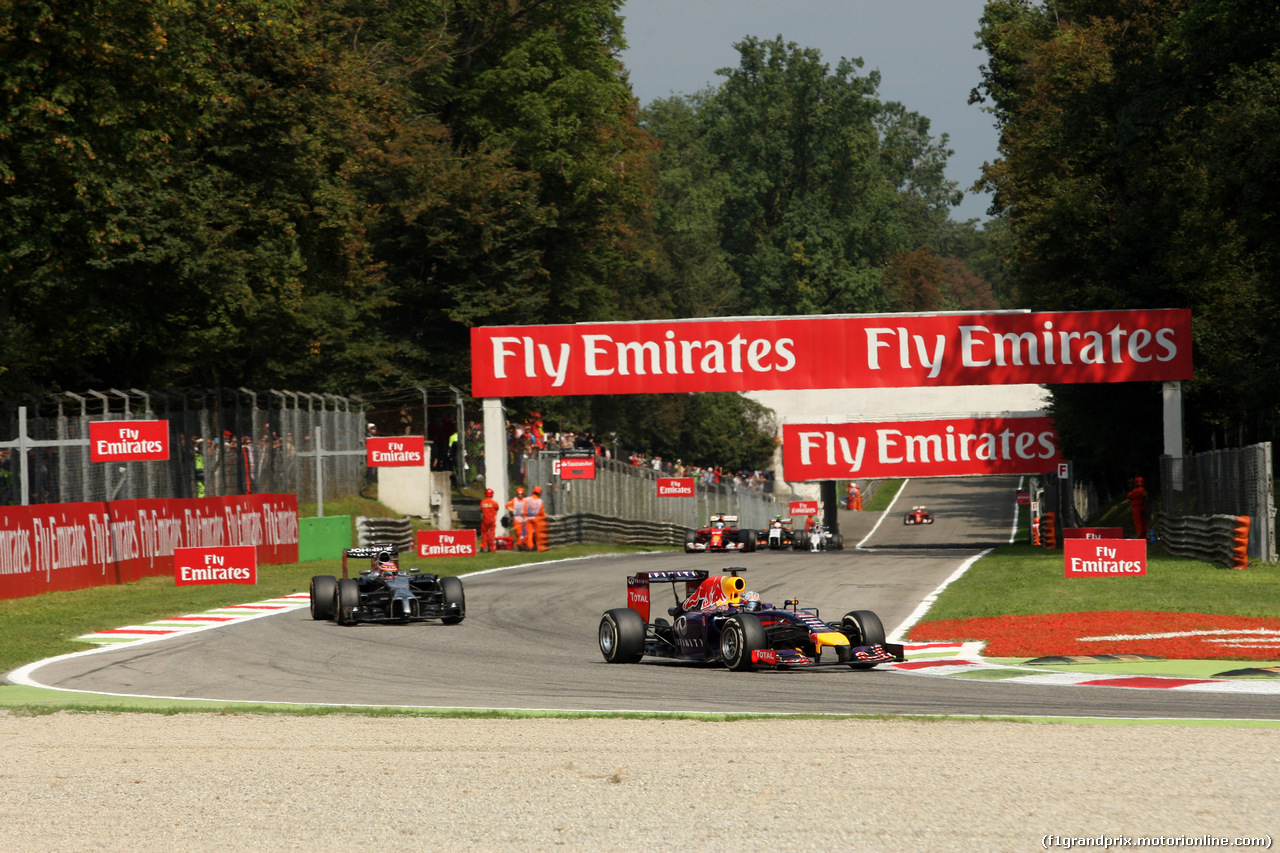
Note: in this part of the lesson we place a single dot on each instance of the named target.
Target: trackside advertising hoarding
(804, 507)
(206, 566)
(575, 467)
(952, 447)
(446, 543)
(1104, 558)
(852, 351)
(405, 451)
(675, 487)
(54, 547)
(128, 441)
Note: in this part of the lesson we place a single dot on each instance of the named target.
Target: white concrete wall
(409, 491)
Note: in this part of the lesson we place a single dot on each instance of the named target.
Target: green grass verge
(46, 625)
(884, 494)
(1020, 580)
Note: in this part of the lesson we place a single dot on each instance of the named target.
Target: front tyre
(621, 635)
(451, 593)
(863, 628)
(324, 591)
(346, 601)
(741, 635)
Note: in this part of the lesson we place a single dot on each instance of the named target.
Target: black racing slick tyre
(748, 539)
(863, 628)
(800, 541)
(622, 633)
(837, 542)
(690, 539)
(324, 591)
(451, 593)
(741, 635)
(346, 601)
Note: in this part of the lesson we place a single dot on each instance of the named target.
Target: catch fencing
(1233, 482)
(222, 443)
(630, 493)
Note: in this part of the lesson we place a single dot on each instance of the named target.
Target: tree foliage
(1137, 164)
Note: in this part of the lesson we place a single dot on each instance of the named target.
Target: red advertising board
(675, 487)
(875, 351)
(128, 441)
(404, 451)
(1104, 558)
(577, 467)
(804, 507)
(1093, 533)
(52, 547)
(446, 543)
(206, 566)
(934, 448)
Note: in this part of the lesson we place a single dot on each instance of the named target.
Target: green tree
(1137, 151)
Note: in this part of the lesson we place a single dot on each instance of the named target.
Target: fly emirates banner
(851, 351)
(954, 447)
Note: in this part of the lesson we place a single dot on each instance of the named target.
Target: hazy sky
(923, 49)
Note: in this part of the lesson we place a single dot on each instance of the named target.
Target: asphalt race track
(529, 640)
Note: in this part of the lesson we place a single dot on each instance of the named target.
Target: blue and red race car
(719, 621)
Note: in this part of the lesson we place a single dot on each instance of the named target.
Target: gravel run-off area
(212, 782)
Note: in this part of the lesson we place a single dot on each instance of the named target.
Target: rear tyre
(451, 593)
(837, 542)
(741, 635)
(689, 539)
(346, 600)
(748, 539)
(621, 635)
(863, 628)
(800, 540)
(324, 589)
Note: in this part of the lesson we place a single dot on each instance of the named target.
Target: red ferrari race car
(718, 621)
(918, 515)
(720, 534)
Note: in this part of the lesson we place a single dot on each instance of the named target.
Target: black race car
(718, 621)
(386, 593)
(779, 534)
(918, 515)
(720, 534)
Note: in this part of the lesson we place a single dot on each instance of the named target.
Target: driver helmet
(751, 600)
(387, 563)
(719, 525)
(488, 493)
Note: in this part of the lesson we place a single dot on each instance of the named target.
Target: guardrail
(589, 527)
(1217, 538)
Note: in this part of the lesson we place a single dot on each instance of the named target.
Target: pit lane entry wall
(57, 547)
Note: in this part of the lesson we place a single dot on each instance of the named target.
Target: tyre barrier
(1048, 531)
(1216, 538)
(589, 527)
(375, 531)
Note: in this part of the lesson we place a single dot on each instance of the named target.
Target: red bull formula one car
(918, 515)
(717, 620)
(720, 534)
